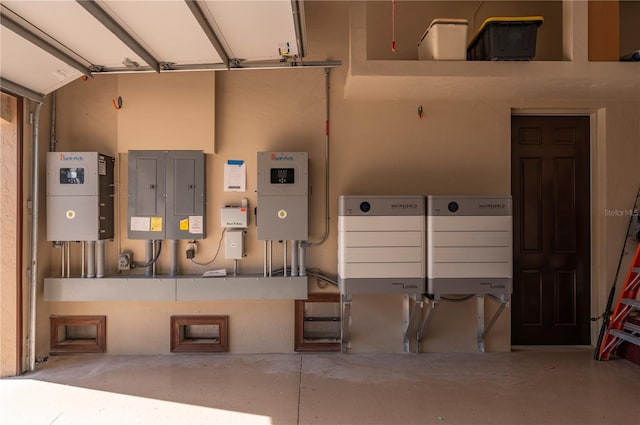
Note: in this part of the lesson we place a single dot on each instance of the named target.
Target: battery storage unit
(166, 195)
(381, 245)
(283, 196)
(470, 245)
(80, 195)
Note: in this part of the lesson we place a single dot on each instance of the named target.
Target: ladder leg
(618, 329)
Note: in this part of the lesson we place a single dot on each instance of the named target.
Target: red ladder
(620, 328)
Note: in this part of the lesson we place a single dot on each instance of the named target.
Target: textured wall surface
(377, 146)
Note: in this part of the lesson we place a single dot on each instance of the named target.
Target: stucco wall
(9, 232)
(379, 147)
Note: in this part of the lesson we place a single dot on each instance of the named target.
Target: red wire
(393, 26)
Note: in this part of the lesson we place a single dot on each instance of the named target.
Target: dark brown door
(551, 234)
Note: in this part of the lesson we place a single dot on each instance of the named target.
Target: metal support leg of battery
(482, 329)
(345, 329)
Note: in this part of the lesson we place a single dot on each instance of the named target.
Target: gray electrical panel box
(283, 196)
(166, 195)
(80, 195)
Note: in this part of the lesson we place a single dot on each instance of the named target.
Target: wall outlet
(191, 249)
(125, 260)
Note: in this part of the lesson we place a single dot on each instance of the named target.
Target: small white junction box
(234, 217)
(234, 244)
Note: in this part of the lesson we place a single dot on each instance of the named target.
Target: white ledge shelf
(578, 79)
(180, 288)
(497, 80)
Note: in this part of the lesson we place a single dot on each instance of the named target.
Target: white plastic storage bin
(444, 39)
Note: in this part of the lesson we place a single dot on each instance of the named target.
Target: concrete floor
(558, 386)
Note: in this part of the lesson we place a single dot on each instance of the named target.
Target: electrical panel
(80, 196)
(283, 191)
(166, 195)
(381, 244)
(185, 195)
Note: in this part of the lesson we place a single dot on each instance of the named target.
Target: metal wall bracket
(346, 322)
(482, 329)
(411, 316)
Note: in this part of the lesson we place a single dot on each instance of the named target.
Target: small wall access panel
(381, 245)
(283, 191)
(469, 245)
(166, 195)
(80, 193)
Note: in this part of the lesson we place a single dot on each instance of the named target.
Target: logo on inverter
(67, 157)
(276, 157)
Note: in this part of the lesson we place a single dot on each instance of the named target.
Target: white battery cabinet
(470, 248)
(381, 250)
(381, 245)
(444, 39)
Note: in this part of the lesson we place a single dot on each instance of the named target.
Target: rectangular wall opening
(317, 323)
(78, 334)
(199, 334)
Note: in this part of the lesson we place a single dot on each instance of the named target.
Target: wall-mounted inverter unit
(381, 245)
(80, 193)
(469, 240)
(283, 196)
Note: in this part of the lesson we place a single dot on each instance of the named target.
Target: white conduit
(173, 256)
(82, 244)
(303, 245)
(302, 254)
(35, 194)
(284, 258)
(294, 258)
(264, 254)
(68, 245)
(270, 263)
(100, 258)
(91, 259)
(326, 165)
(62, 260)
(148, 256)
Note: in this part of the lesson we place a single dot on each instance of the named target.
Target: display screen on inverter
(71, 175)
(282, 176)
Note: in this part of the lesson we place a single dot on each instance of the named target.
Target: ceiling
(47, 44)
